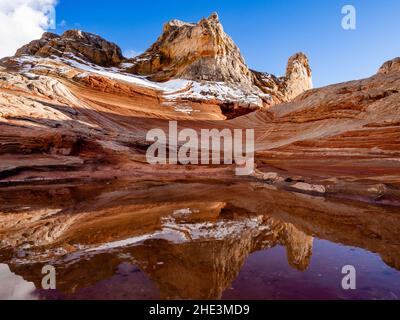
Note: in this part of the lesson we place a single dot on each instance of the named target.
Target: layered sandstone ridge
(60, 122)
(341, 139)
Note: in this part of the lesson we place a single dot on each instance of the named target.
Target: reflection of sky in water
(267, 275)
(13, 287)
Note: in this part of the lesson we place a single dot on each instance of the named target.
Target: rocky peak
(298, 79)
(298, 76)
(194, 51)
(298, 64)
(390, 66)
(75, 44)
(203, 51)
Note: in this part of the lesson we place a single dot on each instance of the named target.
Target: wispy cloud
(22, 21)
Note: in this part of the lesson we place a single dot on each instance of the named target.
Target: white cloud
(22, 21)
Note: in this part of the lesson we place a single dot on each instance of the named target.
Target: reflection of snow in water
(177, 232)
(13, 287)
(218, 230)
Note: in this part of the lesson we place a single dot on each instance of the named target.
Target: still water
(194, 241)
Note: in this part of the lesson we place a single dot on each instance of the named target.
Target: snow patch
(176, 232)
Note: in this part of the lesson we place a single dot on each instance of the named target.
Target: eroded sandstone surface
(195, 51)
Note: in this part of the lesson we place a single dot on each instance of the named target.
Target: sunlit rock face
(390, 66)
(195, 51)
(298, 78)
(204, 52)
(193, 71)
(75, 44)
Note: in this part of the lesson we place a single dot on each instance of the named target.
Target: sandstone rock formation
(201, 51)
(204, 52)
(65, 116)
(298, 79)
(201, 57)
(75, 44)
(390, 66)
(354, 124)
(73, 112)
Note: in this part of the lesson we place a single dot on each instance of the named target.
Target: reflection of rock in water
(196, 254)
(204, 269)
(298, 247)
(192, 269)
(189, 248)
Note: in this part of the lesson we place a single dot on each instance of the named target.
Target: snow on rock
(172, 90)
(216, 91)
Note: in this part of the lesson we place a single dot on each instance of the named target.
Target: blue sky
(266, 31)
